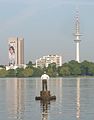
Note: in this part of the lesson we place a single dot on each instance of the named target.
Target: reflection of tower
(15, 98)
(78, 99)
(77, 36)
(16, 45)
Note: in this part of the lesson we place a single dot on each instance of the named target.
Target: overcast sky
(47, 27)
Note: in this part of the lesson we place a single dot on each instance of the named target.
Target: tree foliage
(27, 72)
(72, 68)
(37, 72)
(52, 70)
(11, 73)
(3, 73)
(64, 70)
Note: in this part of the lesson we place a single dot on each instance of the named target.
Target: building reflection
(15, 96)
(20, 99)
(56, 87)
(38, 85)
(78, 99)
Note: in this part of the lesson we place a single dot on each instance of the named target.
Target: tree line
(72, 68)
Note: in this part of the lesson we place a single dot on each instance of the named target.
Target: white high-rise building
(77, 40)
(46, 60)
(16, 51)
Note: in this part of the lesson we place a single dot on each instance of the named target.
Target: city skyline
(47, 28)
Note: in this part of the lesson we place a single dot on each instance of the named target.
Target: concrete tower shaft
(77, 37)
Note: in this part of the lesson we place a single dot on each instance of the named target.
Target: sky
(47, 27)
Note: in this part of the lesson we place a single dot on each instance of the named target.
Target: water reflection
(45, 106)
(20, 99)
(15, 98)
(75, 99)
(78, 99)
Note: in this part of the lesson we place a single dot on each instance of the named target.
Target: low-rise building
(15, 67)
(46, 60)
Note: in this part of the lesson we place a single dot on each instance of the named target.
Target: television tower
(77, 37)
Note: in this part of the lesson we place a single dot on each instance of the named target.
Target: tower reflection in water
(15, 98)
(78, 99)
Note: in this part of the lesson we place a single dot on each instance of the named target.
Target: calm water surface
(75, 99)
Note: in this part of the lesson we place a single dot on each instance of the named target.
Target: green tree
(85, 68)
(27, 72)
(52, 70)
(11, 73)
(2, 66)
(91, 69)
(74, 68)
(30, 65)
(37, 72)
(19, 72)
(3, 73)
(64, 70)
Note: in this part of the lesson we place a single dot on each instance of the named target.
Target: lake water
(75, 99)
